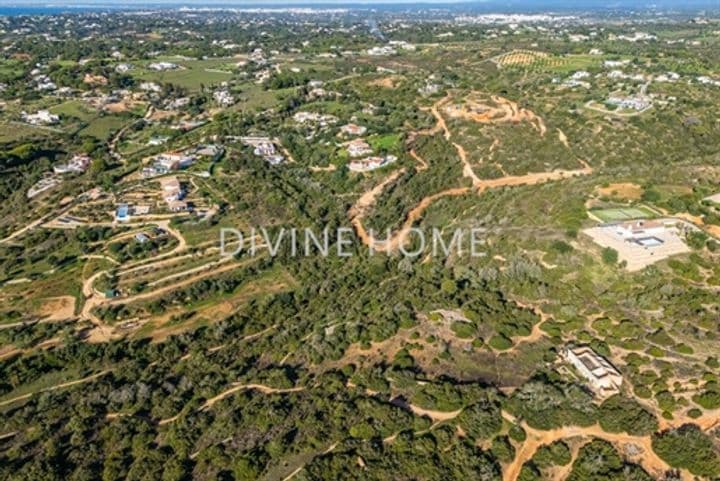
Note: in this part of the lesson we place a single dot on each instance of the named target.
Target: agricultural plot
(623, 213)
(533, 60)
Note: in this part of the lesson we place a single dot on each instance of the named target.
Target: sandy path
(422, 163)
(102, 332)
(563, 139)
(399, 238)
(56, 387)
(194, 270)
(436, 416)
(241, 387)
(100, 257)
(35, 223)
(711, 229)
(21, 231)
(176, 285)
(467, 168)
(650, 461)
(297, 470)
(317, 168)
(367, 200)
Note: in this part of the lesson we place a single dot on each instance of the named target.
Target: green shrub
(609, 256)
(621, 414)
(688, 448)
(500, 342)
(554, 454)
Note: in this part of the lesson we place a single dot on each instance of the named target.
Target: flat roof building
(603, 377)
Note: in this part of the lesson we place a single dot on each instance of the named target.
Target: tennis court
(624, 213)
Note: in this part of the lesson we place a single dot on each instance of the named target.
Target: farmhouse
(603, 377)
(155, 141)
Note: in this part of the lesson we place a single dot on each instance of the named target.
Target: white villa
(42, 117)
(353, 129)
(308, 117)
(78, 164)
(358, 148)
(638, 229)
(603, 377)
(371, 163)
(160, 66)
(173, 160)
(173, 193)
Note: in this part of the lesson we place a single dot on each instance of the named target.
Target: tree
(609, 256)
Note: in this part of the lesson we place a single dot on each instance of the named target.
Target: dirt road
(650, 461)
(510, 112)
(56, 387)
(241, 387)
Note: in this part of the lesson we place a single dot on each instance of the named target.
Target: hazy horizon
(244, 3)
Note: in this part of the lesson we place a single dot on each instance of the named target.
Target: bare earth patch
(57, 308)
(621, 190)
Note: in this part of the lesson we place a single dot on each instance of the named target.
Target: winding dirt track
(241, 387)
(56, 387)
(650, 461)
(398, 239)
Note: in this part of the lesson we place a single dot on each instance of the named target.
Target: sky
(535, 4)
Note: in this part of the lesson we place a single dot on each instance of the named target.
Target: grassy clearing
(102, 128)
(74, 108)
(13, 132)
(252, 97)
(193, 74)
(387, 142)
